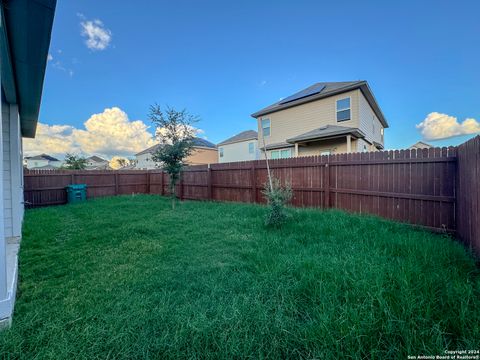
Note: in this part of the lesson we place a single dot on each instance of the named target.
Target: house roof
(24, 44)
(279, 145)
(96, 158)
(42, 157)
(328, 131)
(421, 145)
(243, 136)
(378, 145)
(327, 89)
(197, 142)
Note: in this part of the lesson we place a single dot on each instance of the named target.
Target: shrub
(278, 196)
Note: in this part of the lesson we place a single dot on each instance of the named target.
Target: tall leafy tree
(75, 162)
(175, 133)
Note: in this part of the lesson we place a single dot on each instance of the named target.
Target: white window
(221, 152)
(266, 127)
(281, 154)
(365, 148)
(251, 148)
(325, 152)
(343, 109)
(285, 153)
(381, 131)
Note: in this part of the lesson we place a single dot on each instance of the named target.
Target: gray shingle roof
(197, 142)
(279, 145)
(243, 136)
(326, 132)
(330, 89)
(96, 158)
(42, 157)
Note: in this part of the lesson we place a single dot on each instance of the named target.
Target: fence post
(180, 186)
(209, 182)
(148, 182)
(116, 183)
(72, 178)
(253, 182)
(161, 183)
(327, 185)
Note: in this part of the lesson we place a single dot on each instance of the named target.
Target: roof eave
(28, 27)
(319, 96)
(7, 76)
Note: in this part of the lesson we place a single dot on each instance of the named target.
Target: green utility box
(76, 193)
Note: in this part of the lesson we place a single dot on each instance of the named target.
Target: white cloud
(107, 134)
(263, 83)
(49, 57)
(97, 36)
(441, 126)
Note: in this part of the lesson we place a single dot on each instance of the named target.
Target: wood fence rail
(420, 187)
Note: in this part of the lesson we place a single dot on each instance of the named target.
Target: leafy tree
(75, 162)
(175, 133)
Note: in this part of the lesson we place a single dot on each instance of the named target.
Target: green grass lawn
(127, 278)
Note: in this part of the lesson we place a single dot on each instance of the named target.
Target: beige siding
(369, 122)
(335, 146)
(203, 156)
(199, 156)
(299, 119)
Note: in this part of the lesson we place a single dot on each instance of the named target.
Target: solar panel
(304, 93)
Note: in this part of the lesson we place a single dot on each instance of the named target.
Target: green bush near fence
(127, 278)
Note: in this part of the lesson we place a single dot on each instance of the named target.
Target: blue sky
(224, 60)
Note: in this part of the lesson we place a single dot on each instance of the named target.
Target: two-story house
(325, 118)
(204, 152)
(240, 147)
(97, 163)
(42, 161)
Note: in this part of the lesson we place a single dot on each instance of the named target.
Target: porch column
(296, 149)
(349, 144)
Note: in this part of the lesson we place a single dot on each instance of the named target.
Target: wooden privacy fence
(415, 186)
(467, 210)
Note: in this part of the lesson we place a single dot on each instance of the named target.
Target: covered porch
(328, 140)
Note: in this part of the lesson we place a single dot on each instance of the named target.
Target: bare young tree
(175, 133)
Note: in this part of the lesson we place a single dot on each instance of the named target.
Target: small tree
(278, 196)
(75, 162)
(175, 133)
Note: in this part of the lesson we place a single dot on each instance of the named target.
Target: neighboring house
(421, 145)
(42, 160)
(97, 163)
(241, 147)
(204, 152)
(325, 118)
(25, 29)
